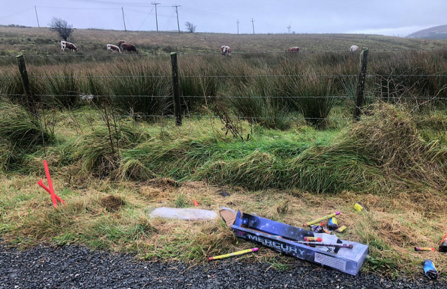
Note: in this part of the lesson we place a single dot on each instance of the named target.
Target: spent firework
(430, 269)
(233, 254)
(313, 239)
(321, 219)
(424, 249)
(347, 246)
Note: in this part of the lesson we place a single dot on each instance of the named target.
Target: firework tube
(327, 231)
(430, 269)
(341, 229)
(424, 249)
(40, 183)
(332, 224)
(321, 219)
(233, 254)
(347, 246)
(50, 184)
(313, 239)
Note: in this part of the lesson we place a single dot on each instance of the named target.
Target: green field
(273, 129)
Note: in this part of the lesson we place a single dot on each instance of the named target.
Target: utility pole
(37, 17)
(156, 17)
(253, 24)
(124, 20)
(237, 26)
(176, 11)
(290, 26)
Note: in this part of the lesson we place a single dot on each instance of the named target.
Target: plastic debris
(183, 214)
(359, 207)
(224, 194)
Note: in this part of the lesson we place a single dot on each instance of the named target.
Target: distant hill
(437, 32)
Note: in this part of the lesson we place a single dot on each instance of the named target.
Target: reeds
(270, 90)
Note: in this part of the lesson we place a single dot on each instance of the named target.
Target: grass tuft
(21, 128)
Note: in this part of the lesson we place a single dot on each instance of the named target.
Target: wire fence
(390, 96)
(228, 76)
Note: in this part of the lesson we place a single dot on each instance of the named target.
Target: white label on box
(330, 261)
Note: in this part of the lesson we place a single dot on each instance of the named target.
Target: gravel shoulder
(78, 267)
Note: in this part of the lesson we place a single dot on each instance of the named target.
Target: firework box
(282, 238)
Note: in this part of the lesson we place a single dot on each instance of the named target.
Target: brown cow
(127, 47)
(69, 45)
(293, 49)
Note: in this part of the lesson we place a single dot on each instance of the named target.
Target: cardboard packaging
(283, 238)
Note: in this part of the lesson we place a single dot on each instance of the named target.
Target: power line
(146, 19)
(15, 13)
(208, 13)
(112, 2)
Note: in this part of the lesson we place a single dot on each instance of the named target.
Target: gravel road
(78, 267)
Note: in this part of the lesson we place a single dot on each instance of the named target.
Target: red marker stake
(40, 183)
(195, 203)
(50, 184)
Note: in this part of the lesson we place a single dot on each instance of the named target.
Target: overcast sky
(388, 17)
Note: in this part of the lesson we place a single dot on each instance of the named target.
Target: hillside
(42, 40)
(437, 32)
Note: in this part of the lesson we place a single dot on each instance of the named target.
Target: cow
(225, 50)
(111, 47)
(354, 48)
(69, 45)
(293, 49)
(127, 47)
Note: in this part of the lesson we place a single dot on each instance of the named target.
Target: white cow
(225, 50)
(354, 48)
(112, 47)
(69, 45)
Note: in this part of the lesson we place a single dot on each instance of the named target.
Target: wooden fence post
(176, 90)
(359, 93)
(25, 80)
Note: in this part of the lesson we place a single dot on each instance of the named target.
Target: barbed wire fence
(358, 99)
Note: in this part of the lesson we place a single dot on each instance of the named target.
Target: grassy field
(253, 138)
(42, 40)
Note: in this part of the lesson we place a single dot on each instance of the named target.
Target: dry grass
(112, 203)
(395, 224)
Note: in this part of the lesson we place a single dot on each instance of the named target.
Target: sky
(386, 17)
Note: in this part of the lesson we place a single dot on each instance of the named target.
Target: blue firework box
(283, 238)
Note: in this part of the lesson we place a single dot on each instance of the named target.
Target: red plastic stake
(40, 183)
(195, 203)
(50, 184)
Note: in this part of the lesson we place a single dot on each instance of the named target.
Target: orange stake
(195, 203)
(50, 184)
(40, 183)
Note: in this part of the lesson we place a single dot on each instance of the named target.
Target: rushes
(21, 128)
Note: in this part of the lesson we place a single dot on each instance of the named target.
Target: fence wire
(200, 116)
(92, 96)
(226, 76)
